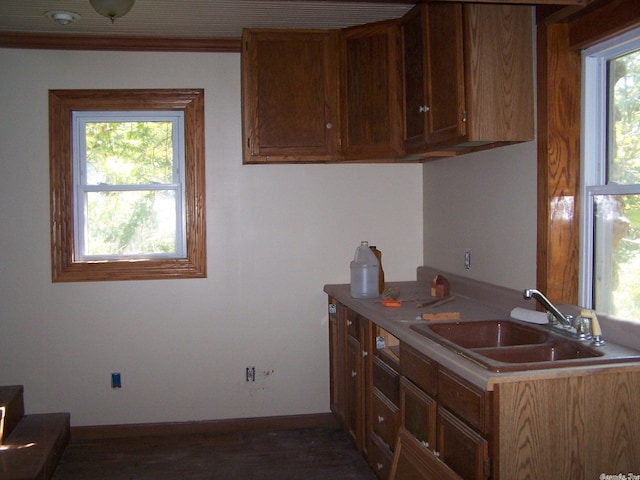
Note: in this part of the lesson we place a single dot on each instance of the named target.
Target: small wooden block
(440, 286)
(441, 316)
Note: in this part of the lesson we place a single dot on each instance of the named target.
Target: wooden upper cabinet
(468, 77)
(371, 115)
(448, 78)
(290, 96)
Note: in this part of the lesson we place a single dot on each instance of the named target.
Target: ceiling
(194, 18)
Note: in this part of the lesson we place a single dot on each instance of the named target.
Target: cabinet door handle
(437, 454)
(423, 109)
(349, 323)
(380, 419)
(329, 126)
(424, 444)
(364, 353)
(380, 466)
(353, 373)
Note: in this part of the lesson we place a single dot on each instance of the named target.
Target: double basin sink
(507, 345)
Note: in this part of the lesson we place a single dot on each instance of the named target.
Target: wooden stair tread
(11, 397)
(33, 449)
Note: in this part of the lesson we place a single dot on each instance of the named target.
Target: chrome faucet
(544, 301)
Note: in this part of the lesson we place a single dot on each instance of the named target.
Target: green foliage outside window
(624, 168)
(136, 213)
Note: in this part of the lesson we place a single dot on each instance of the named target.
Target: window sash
(82, 187)
(594, 150)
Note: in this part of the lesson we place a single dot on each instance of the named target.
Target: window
(610, 263)
(127, 184)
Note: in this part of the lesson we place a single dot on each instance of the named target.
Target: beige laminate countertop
(397, 321)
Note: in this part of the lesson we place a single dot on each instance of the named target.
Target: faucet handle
(596, 331)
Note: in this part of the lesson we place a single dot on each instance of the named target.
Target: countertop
(397, 321)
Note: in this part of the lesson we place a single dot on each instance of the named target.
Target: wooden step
(11, 398)
(34, 447)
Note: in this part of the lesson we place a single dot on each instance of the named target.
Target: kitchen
(275, 236)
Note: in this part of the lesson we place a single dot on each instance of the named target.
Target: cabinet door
(414, 50)
(445, 72)
(412, 461)
(290, 96)
(461, 448)
(370, 99)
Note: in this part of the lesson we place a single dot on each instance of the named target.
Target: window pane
(624, 119)
(617, 255)
(129, 153)
(131, 223)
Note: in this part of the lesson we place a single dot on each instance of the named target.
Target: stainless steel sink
(508, 345)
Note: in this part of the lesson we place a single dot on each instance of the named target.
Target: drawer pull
(380, 466)
(364, 353)
(349, 323)
(380, 419)
(353, 373)
(424, 444)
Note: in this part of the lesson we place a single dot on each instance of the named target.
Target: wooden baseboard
(208, 426)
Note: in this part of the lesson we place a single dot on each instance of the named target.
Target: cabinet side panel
(613, 414)
(499, 66)
(541, 429)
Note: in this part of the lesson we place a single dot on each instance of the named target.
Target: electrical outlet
(467, 259)
(251, 374)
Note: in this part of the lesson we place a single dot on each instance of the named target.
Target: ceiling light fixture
(62, 17)
(112, 8)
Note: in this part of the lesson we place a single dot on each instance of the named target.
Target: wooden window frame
(64, 267)
(560, 39)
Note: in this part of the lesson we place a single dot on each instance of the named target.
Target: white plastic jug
(364, 273)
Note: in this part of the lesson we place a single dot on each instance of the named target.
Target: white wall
(276, 235)
(485, 201)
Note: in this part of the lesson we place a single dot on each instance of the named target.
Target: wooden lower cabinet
(416, 419)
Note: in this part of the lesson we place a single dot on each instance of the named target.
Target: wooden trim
(559, 98)
(64, 267)
(208, 426)
(94, 42)
(559, 134)
(598, 24)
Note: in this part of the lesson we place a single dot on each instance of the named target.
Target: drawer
(380, 457)
(386, 379)
(385, 418)
(465, 400)
(419, 368)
